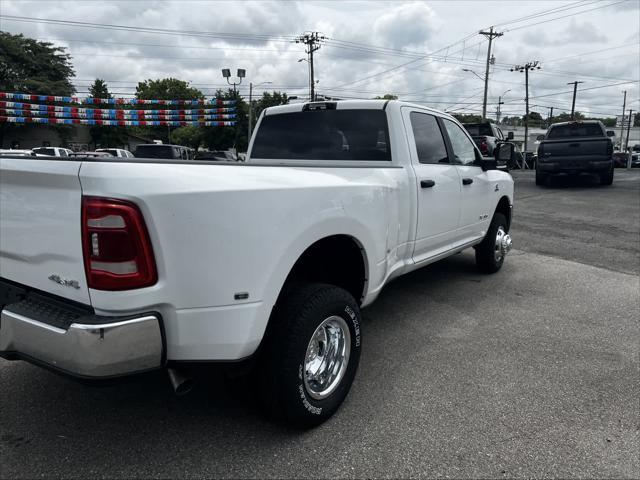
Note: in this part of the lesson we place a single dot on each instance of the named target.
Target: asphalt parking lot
(531, 372)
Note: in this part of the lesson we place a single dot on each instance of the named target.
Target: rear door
(437, 185)
(40, 226)
(474, 182)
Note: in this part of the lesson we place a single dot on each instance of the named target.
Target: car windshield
(45, 151)
(323, 135)
(112, 151)
(155, 151)
(573, 130)
(478, 130)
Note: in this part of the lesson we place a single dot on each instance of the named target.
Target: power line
(564, 16)
(159, 31)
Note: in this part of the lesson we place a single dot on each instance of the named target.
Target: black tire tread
(485, 259)
(280, 362)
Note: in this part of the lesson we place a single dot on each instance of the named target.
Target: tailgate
(575, 147)
(40, 236)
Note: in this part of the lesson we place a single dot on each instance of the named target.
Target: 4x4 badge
(64, 281)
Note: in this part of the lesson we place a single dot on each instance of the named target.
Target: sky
(426, 52)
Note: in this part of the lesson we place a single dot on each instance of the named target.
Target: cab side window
(463, 148)
(429, 142)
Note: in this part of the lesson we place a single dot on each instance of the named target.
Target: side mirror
(611, 133)
(509, 135)
(539, 138)
(504, 153)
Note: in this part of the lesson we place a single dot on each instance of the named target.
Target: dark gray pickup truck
(486, 136)
(575, 148)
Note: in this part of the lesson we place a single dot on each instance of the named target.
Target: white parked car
(263, 264)
(53, 151)
(116, 152)
(17, 152)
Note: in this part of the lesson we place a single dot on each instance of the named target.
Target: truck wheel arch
(339, 260)
(504, 207)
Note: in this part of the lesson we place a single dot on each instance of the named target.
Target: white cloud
(133, 56)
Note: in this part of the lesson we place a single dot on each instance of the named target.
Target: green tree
(269, 100)
(223, 138)
(105, 136)
(512, 121)
(387, 96)
(188, 136)
(164, 89)
(167, 89)
(566, 117)
(467, 118)
(31, 66)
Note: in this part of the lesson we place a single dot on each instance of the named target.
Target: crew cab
(576, 148)
(113, 267)
(116, 152)
(53, 151)
(486, 135)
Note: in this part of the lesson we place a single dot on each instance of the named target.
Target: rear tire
(607, 178)
(312, 354)
(541, 178)
(489, 256)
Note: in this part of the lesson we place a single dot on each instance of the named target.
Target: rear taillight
(484, 146)
(116, 245)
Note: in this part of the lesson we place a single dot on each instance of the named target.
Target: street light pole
(500, 102)
(624, 107)
(626, 143)
(251, 107)
(241, 73)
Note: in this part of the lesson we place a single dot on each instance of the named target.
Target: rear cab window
(574, 130)
(479, 130)
(331, 134)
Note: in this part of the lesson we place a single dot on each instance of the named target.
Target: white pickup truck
(112, 267)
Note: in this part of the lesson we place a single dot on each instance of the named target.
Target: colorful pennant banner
(111, 101)
(116, 123)
(120, 115)
(56, 108)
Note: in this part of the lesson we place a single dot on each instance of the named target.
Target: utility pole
(250, 110)
(490, 35)
(313, 41)
(626, 143)
(525, 68)
(624, 107)
(550, 119)
(498, 112)
(573, 103)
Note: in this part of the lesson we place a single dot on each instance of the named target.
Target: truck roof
(373, 104)
(574, 122)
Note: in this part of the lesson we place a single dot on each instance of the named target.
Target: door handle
(467, 181)
(427, 183)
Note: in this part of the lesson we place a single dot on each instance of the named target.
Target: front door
(437, 184)
(476, 189)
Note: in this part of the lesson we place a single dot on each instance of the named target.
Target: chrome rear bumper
(88, 346)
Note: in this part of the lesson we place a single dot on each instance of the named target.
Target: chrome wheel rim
(327, 357)
(502, 245)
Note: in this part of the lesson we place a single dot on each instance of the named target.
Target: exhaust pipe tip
(181, 383)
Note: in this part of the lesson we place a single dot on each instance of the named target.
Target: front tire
(490, 253)
(541, 178)
(312, 354)
(607, 178)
